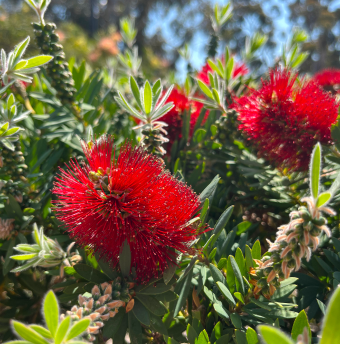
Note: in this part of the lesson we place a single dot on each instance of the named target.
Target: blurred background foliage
(89, 28)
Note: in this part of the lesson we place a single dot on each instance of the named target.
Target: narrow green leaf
(221, 311)
(238, 274)
(41, 330)
(192, 334)
(209, 191)
(322, 306)
(135, 329)
(230, 276)
(236, 320)
(78, 328)
(51, 312)
(135, 92)
(147, 97)
(249, 258)
(24, 256)
(152, 304)
(169, 272)
(37, 61)
(256, 250)
(315, 167)
(272, 335)
(226, 293)
(203, 338)
(300, 323)
(205, 89)
(216, 274)
(90, 274)
(323, 199)
(252, 336)
(27, 333)
(239, 296)
(221, 222)
(330, 332)
(62, 330)
(184, 293)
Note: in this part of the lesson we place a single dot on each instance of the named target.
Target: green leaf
(157, 324)
(283, 291)
(170, 340)
(315, 167)
(221, 223)
(199, 135)
(299, 325)
(230, 276)
(221, 311)
(141, 313)
(78, 328)
(184, 293)
(147, 97)
(249, 258)
(41, 330)
(224, 339)
(125, 259)
(159, 288)
(191, 334)
(236, 320)
(240, 261)
(252, 336)
(272, 335)
(222, 264)
(152, 304)
(188, 269)
(135, 91)
(135, 329)
(90, 274)
(260, 304)
(51, 312)
(37, 61)
(238, 274)
(62, 330)
(169, 272)
(106, 268)
(113, 324)
(322, 306)
(323, 199)
(24, 256)
(28, 333)
(20, 49)
(239, 296)
(205, 89)
(242, 227)
(330, 333)
(226, 293)
(203, 338)
(209, 191)
(216, 274)
(256, 250)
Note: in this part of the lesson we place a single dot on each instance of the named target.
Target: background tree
(322, 25)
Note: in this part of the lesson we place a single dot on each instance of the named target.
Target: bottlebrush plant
(137, 211)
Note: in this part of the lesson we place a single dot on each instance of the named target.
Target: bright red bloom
(286, 120)
(329, 79)
(240, 69)
(174, 118)
(133, 198)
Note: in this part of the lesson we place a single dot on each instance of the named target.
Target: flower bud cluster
(102, 305)
(227, 127)
(58, 70)
(294, 241)
(153, 140)
(45, 253)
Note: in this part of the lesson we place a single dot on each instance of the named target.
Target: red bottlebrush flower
(286, 120)
(328, 79)
(240, 69)
(174, 118)
(106, 201)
